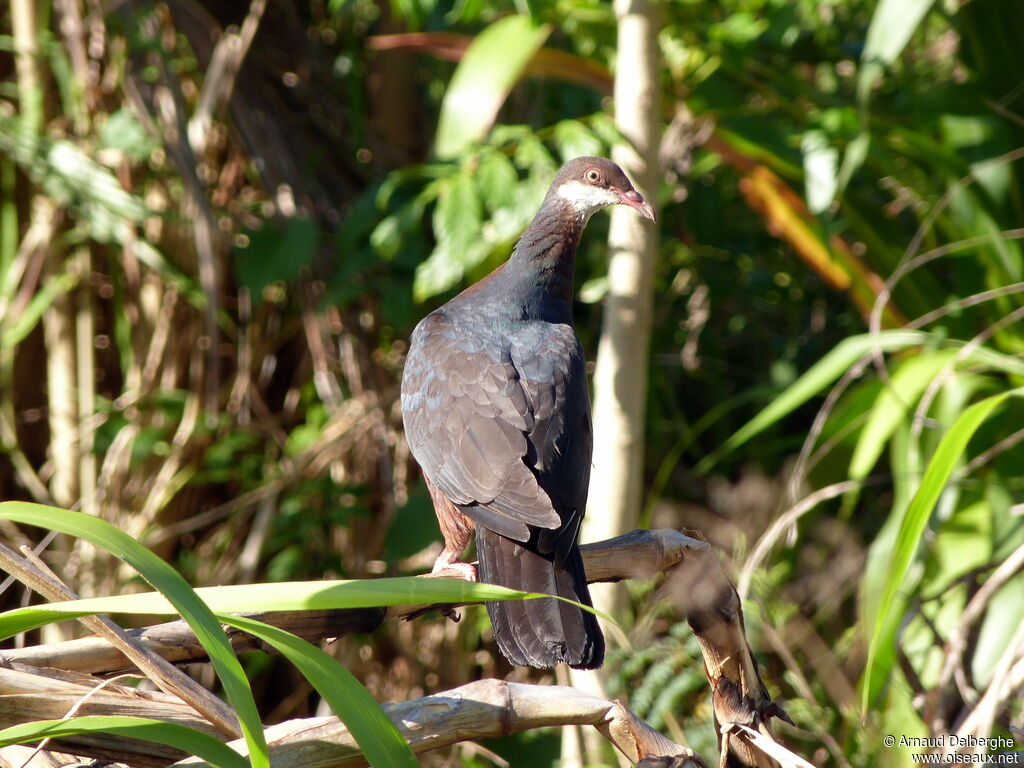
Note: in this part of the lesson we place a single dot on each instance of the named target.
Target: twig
(349, 422)
(974, 610)
(221, 74)
(699, 589)
(1007, 677)
(803, 687)
(165, 101)
(990, 453)
(937, 382)
(24, 270)
(910, 261)
(873, 356)
(43, 544)
(32, 695)
(964, 303)
(72, 711)
(766, 744)
(781, 523)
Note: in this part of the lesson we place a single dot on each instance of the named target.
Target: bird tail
(540, 632)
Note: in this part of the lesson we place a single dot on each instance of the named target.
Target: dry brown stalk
(696, 586)
(166, 676)
(958, 639)
(33, 694)
(477, 710)
(700, 590)
(221, 74)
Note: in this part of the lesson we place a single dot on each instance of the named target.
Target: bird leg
(457, 530)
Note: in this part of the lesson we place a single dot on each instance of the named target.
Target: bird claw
(446, 567)
(451, 613)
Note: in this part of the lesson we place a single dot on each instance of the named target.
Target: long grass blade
(892, 25)
(894, 401)
(812, 383)
(282, 596)
(372, 729)
(937, 473)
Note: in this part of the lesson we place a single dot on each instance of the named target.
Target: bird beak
(633, 199)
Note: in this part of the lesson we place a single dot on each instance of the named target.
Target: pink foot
(453, 569)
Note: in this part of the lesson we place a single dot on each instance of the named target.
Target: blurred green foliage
(839, 282)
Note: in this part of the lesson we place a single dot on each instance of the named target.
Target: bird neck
(543, 261)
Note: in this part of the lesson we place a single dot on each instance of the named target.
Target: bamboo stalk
(88, 557)
(19, 278)
(61, 392)
(221, 74)
(25, 26)
(482, 709)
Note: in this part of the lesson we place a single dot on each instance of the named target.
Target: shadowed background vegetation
(219, 224)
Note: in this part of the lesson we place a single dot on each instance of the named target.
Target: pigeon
(496, 411)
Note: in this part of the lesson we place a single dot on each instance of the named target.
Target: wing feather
(500, 423)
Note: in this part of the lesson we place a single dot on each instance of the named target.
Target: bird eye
(593, 175)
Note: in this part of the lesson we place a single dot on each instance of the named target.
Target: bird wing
(549, 361)
(497, 423)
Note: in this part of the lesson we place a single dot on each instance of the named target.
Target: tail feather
(543, 632)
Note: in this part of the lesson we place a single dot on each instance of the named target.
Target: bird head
(589, 184)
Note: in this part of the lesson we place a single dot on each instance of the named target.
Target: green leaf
(386, 238)
(812, 383)
(937, 473)
(892, 26)
(1004, 615)
(123, 131)
(175, 589)
(436, 275)
(276, 252)
(490, 67)
(904, 388)
(461, 246)
(497, 179)
(189, 740)
(73, 179)
(531, 154)
(373, 730)
(854, 157)
(738, 28)
(575, 139)
(457, 216)
(962, 543)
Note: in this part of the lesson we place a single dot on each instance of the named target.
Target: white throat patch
(586, 199)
